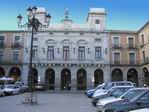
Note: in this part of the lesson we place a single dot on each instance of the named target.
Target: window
(66, 52)
(145, 97)
(1, 40)
(116, 41)
(97, 39)
(97, 21)
(130, 42)
(34, 52)
(35, 39)
(16, 39)
(131, 58)
(1, 56)
(98, 53)
(51, 33)
(81, 33)
(66, 33)
(143, 53)
(15, 57)
(117, 58)
(142, 36)
(50, 53)
(81, 52)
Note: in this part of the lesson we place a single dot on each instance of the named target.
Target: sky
(121, 14)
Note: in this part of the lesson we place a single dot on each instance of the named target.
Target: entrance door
(146, 76)
(81, 79)
(65, 79)
(98, 77)
(15, 73)
(50, 79)
(2, 73)
(132, 76)
(35, 76)
(117, 75)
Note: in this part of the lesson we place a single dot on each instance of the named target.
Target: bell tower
(96, 18)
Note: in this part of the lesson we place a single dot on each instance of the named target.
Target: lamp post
(33, 24)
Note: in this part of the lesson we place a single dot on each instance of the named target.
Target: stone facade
(80, 55)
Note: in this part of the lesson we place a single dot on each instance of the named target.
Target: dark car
(135, 98)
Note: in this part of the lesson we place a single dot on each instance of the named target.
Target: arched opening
(146, 76)
(132, 76)
(81, 79)
(117, 75)
(98, 77)
(2, 72)
(15, 73)
(65, 79)
(35, 76)
(50, 79)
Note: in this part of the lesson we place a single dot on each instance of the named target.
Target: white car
(11, 89)
(2, 90)
(140, 110)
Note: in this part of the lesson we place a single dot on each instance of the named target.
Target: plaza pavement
(51, 101)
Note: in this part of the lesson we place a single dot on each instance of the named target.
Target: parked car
(109, 85)
(116, 91)
(23, 88)
(135, 98)
(2, 90)
(90, 92)
(40, 87)
(140, 110)
(19, 83)
(11, 89)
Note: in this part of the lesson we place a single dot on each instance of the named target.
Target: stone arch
(15, 73)
(81, 79)
(132, 75)
(117, 75)
(2, 72)
(65, 79)
(35, 76)
(50, 79)
(146, 76)
(98, 77)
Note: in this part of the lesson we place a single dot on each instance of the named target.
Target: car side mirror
(139, 102)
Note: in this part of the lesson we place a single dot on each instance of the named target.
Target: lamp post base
(30, 98)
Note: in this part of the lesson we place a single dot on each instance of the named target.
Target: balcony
(124, 63)
(18, 62)
(131, 46)
(145, 61)
(70, 61)
(116, 46)
(16, 46)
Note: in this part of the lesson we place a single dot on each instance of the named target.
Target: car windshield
(131, 94)
(118, 92)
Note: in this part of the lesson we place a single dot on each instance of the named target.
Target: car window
(132, 94)
(145, 96)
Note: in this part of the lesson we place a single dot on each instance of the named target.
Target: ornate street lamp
(33, 24)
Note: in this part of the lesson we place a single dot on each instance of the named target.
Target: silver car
(116, 91)
(11, 89)
(133, 99)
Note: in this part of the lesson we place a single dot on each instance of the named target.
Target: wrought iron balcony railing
(16, 45)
